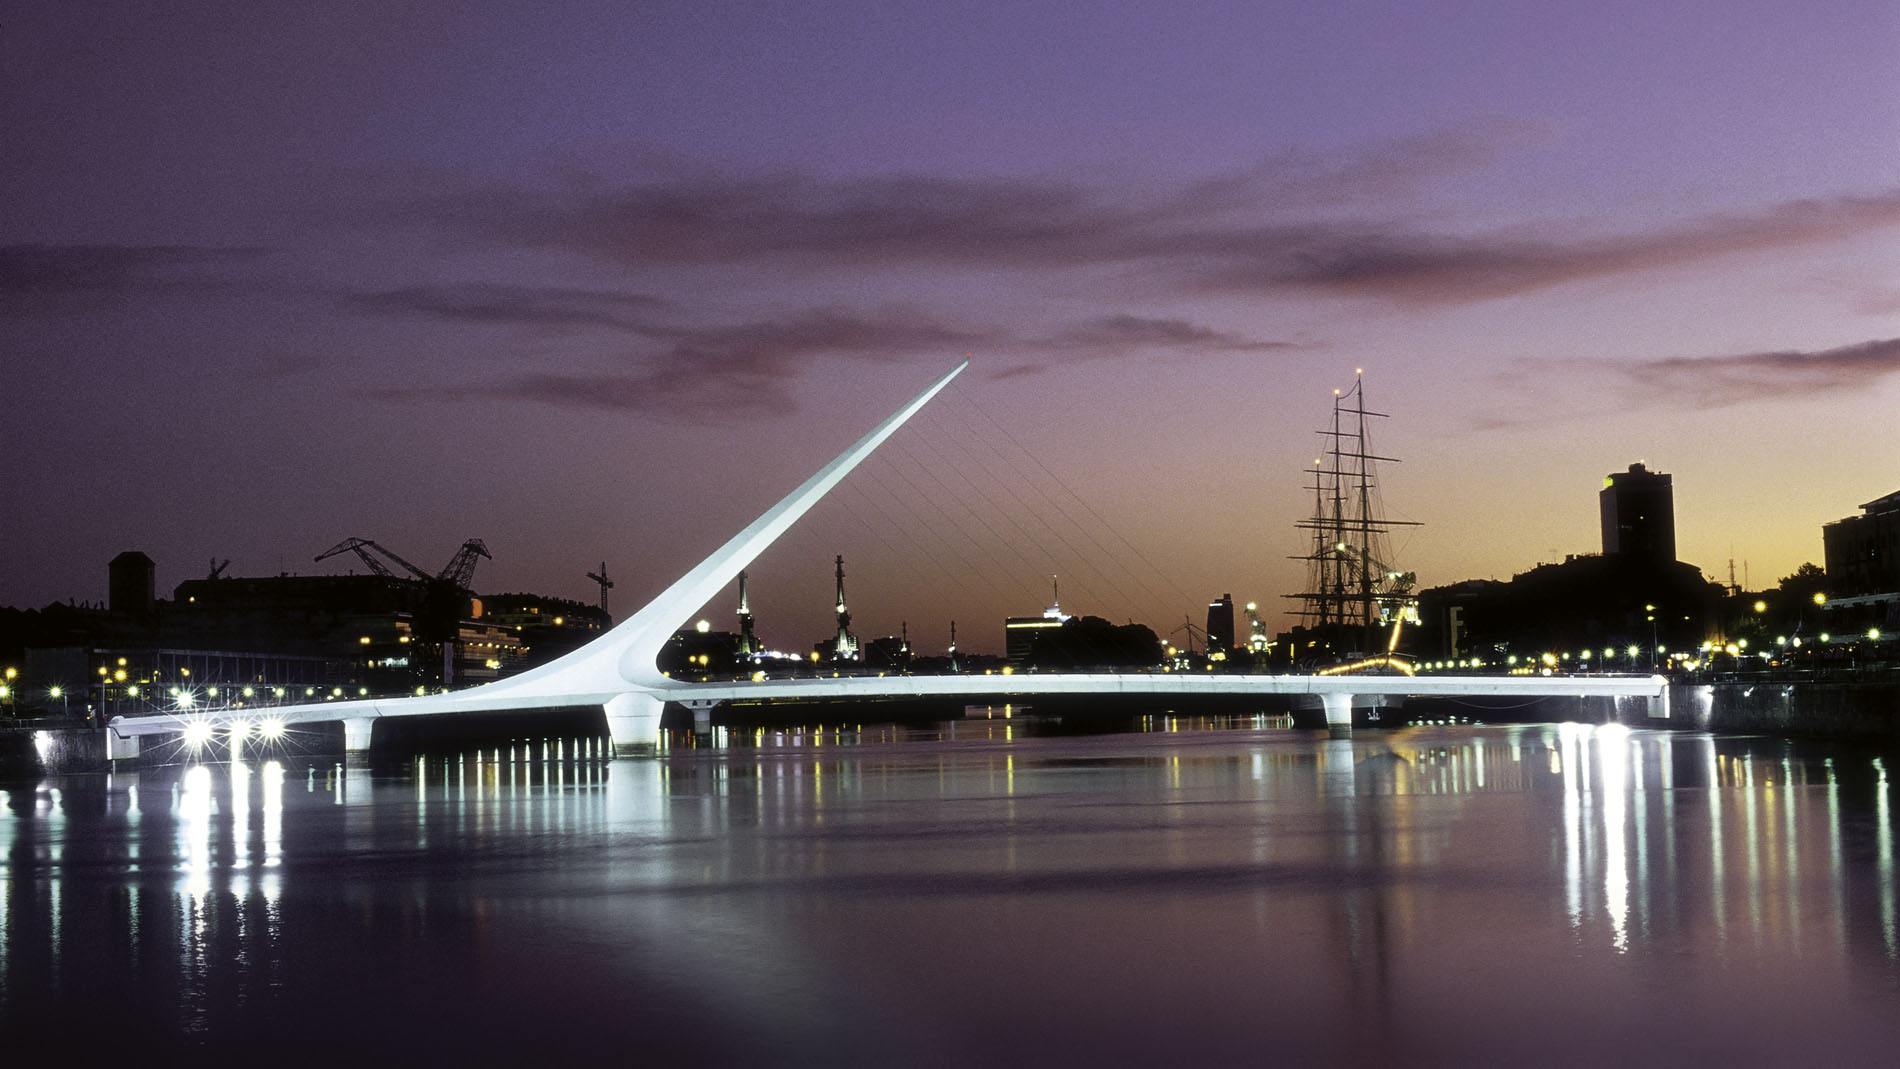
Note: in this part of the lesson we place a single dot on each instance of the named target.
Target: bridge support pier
(702, 714)
(633, 722)
(356, 733)
(1338, 714)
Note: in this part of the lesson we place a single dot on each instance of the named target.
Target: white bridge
(619, 671)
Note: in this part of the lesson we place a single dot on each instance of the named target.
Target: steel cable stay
(1088, 529)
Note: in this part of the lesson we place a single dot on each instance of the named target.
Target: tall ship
(1356, 606)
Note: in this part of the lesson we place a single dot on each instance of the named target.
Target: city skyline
(594, 284)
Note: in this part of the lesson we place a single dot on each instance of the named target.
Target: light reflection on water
(979, 890)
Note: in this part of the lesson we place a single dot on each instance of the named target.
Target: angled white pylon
(627, 655)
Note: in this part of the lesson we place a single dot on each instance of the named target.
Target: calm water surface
(979, 893)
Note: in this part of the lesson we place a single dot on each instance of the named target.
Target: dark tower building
(1639, 515)
(1220, 624)
(130, 585)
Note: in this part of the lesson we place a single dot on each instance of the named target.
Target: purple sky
(601, 281)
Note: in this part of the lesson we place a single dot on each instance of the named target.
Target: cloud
(54, 269)
(711, 372)
(1120, 335)
(1254, 231)
(1718, 381)
(1427, 269)
(518, 305)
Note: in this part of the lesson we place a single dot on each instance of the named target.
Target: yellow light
(1761, 606)
(1820, 598)
(54, 692)
(364, 640)
(119, 675)
(559, 620)
(702, 627)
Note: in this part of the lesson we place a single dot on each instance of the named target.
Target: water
(983, 893)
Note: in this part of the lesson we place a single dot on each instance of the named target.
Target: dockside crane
(459, 571)
(447, 597)
(606, 584)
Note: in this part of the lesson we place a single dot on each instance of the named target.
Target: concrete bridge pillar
(1338, 714)
(702, 714)
(356, 733)
(633, 721)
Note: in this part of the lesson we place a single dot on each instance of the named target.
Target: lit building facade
(1021, 632)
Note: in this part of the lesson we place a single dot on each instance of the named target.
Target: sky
(599, 282)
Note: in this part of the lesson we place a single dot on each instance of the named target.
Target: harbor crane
(458, 572)
(607, 584)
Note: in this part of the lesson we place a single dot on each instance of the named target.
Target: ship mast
(1346, 573)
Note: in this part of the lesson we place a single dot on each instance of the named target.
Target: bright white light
(197, 733)
(185, 699)
(239, 732)
(270, 729)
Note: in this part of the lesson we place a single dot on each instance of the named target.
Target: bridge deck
(1158, 684)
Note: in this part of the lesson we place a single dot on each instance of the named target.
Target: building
(1220, 624)
(1021, 632)
(131, 590)
(1639, 515)
(1634, 601)
(842, 646)
(1862, 553)
(1863, 569)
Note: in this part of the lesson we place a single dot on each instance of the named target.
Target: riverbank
(1856, 711)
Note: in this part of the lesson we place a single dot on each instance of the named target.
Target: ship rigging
(1355, 604)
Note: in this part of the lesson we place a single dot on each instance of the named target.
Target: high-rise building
(1639, 515)
(1220, 624)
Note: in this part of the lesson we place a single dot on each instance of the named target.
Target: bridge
(618, 671)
